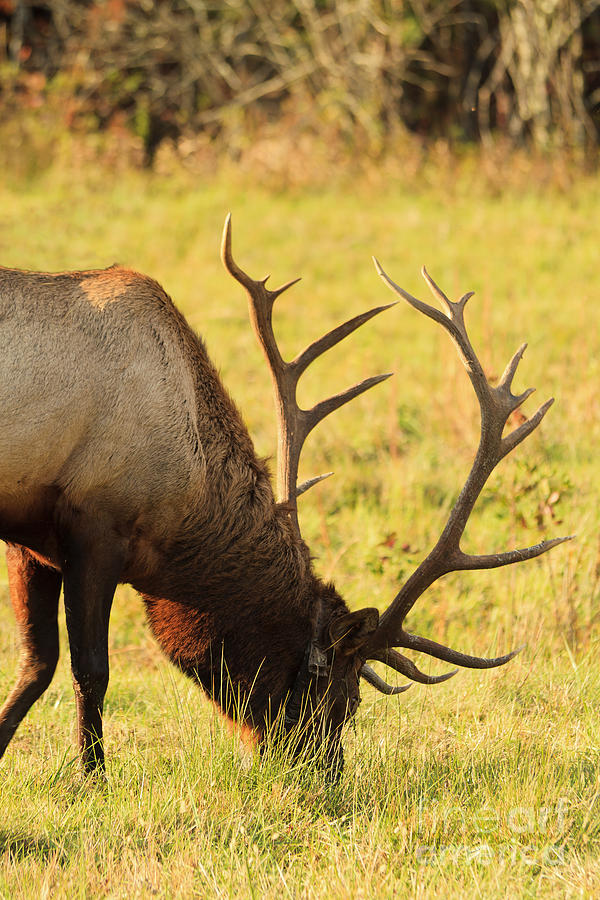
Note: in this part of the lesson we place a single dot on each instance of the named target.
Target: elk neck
(241, 624)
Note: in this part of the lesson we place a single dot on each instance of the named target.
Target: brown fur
(123, 459)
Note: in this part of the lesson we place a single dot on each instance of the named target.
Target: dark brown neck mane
(233, 599)
(240, 623)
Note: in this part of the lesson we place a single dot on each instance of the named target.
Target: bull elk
(124, 460)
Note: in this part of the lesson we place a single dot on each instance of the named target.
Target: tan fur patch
(107, 286)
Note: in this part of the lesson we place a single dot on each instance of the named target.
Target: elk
(124, 460)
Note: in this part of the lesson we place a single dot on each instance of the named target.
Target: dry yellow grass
(487, 785)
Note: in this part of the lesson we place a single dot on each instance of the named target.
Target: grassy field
(488, 785)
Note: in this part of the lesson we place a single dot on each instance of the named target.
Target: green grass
(488, 785)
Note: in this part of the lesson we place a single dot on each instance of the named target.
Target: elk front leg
(34, 592)
(91, 573)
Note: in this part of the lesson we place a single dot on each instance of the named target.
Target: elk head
(326, 691)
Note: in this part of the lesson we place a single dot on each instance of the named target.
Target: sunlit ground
(486, 785)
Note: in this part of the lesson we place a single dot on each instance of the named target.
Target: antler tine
(294, 423)
(496, 405)
(373, 678)
(406, 666)
(260, 304)
(314, 350)
(439, 651)
(310, 482)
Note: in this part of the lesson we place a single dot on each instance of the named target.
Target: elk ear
(348, 633)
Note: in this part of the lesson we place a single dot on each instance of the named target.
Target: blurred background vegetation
(261, 80)
(459, 133)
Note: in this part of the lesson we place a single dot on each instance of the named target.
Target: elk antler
(496, 405)
(294, 423)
